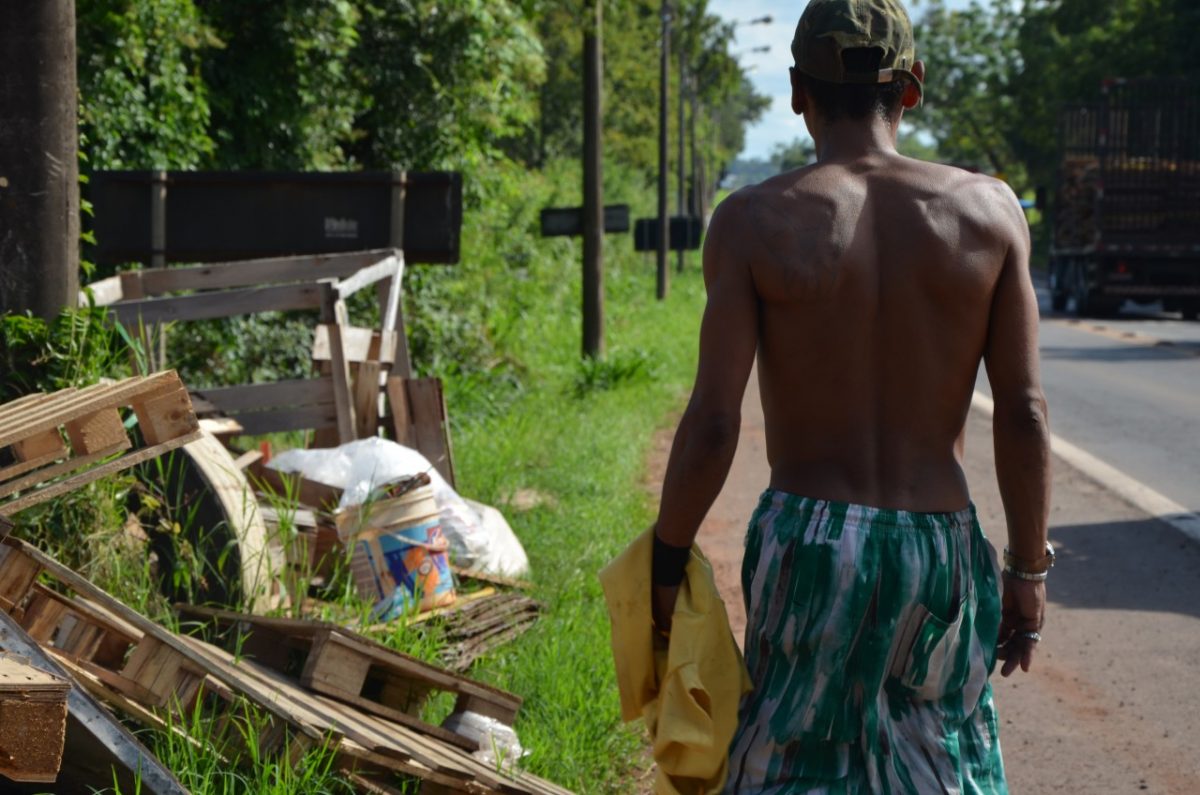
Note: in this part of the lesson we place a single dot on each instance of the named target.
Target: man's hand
(1023, 612)
(662, 605)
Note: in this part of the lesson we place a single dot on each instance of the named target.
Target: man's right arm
(1021, 433)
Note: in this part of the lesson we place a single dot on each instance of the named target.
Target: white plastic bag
(479, 536)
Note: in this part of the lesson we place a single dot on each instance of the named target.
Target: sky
(768, 71)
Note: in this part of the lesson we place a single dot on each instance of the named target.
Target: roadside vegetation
(556, 441)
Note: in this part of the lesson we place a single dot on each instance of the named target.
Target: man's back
(874, 280)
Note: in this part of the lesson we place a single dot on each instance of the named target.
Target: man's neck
(853, 139)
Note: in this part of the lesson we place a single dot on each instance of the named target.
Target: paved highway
(1127, 390)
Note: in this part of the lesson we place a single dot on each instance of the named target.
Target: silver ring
(1033, 636)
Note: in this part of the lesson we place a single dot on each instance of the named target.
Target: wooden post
(664, 226)
(593, 184)
(39, 158)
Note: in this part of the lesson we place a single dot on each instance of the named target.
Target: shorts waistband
(876, 518)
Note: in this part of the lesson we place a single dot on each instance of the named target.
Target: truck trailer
(1126, 211)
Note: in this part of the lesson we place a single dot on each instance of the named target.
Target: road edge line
(1131, 490)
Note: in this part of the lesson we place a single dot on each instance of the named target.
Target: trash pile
(74, 659)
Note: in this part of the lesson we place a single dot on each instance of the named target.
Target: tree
(143, 101)
(282, 92)
(798, 154)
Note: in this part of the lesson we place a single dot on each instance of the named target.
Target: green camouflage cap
(828, 27)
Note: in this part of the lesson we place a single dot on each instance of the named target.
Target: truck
(1125, 218)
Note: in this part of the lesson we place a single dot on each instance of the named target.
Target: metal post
(39, 158)
(680, 170)
(593, 183)
(664, 222)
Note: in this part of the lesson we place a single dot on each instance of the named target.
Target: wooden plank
(362, 344)
(428, 406)
(17, 575)
(33, 721)
(249, 398)
(402, 426)
(246, 459)
(228, 303)
(96, 723)
(386, 268)
(333, 315)
(221, 427)
(295, 488)
(83, 478)
(103, 430)
(258, 272)
(27, 466)
(306, 418)
(167, 416)
(23, 404)
(71, 405)
(50, 472)
(104, 292)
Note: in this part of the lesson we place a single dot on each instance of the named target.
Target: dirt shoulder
(1113, 702)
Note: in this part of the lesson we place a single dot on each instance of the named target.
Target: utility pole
(593, 182)
(39, 158)
(664, 166)
(697, 201)
(681, 172)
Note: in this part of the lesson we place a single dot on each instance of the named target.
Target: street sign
(213, 216)
(685, 234)
(568, 221)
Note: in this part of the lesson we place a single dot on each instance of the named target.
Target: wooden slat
(83, 478)
(258, 397)
(70, 465)
(26, 466)
(333, 315)
(228, 303)
(249, 273)
(104, 292)
(360, 344)
(427, 403)
(386, 268)
(256, 423)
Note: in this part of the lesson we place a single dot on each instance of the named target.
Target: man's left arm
(707, 436)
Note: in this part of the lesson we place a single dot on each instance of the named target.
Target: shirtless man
(870, 286)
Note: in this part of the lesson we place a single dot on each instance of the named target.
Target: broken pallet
(333, 661)
(51, 444)
(165, 673)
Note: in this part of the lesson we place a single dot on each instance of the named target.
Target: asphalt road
(1127, 390)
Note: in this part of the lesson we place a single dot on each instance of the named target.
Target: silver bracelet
(1025, 575)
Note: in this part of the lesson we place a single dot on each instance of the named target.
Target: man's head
(855, 58)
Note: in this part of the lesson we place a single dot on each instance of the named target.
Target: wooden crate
(52, 444)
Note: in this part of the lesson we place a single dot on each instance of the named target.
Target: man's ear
(912, 96)
(799, 96)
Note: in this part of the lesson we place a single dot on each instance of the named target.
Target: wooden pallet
(33, 720)
(51, 444)
(331, 660)
(164, 673)
(482, 625)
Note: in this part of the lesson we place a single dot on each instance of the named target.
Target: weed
(621, 368)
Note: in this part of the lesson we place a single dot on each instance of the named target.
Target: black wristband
(669, 563)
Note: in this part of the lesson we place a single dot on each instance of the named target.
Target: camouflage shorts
(870, 637)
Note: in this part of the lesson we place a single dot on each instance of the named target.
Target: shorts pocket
(930, 653)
